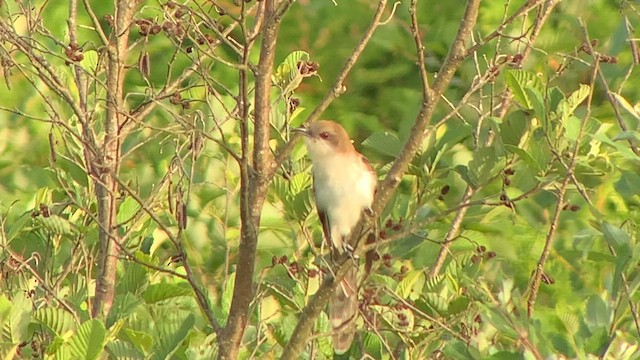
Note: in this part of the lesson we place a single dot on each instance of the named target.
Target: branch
(109, 163)
(417, 134)
(338, 88)
(539, 271)
(254, 179)
(310, 313)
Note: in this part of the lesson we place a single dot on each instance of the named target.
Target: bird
(344, 185)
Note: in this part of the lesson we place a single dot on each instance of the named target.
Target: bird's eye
(324, 135)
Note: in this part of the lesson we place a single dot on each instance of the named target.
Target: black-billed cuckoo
(344, 184)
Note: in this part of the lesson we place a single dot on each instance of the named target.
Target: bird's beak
(302, 130)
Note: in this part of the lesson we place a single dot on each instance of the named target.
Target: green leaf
(598, 314)
(384, 143)
(577, 97)
(518, 81)
(127, 209)
(227, 295)
(74, 171)
(436, 302)
(373, 345)
(572, 128)
(170, 332)
(528, 159)
(56, 320)
(625, 104)
(16, 226)
(287, 74)
(506, 355)
(159, 292)
(570, 322)
(628, 186)
(412, 282)
(299, 182)
(303, 205)
(468, 177)
(554, 96)
(134, 278)
(89, 340)
(628, 135)
(140, 339)
(19, 318)
(513, 129)
(458, 305)
(622, 149)
(90, 61)
(56, 224)
(123, 306)
(123, 350)
(5, 309)
(615, 236)
(482, 164)
(537, 102)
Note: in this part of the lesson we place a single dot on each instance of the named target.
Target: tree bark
(106, 170)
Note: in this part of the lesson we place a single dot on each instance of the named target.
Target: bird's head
(325, 138)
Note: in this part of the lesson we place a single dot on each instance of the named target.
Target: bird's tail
(343, 310)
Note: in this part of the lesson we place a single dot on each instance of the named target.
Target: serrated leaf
(72, 170)
(159, 292)
(89, 340)
(287, 74)
(123, 306)
(577, 97)
(433, 283)
(5, 309)
(56, 320)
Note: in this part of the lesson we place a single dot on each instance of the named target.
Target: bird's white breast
(344, 186)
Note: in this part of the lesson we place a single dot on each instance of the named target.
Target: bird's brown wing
(324, 220)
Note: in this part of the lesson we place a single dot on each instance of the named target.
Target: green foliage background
(476, 308)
